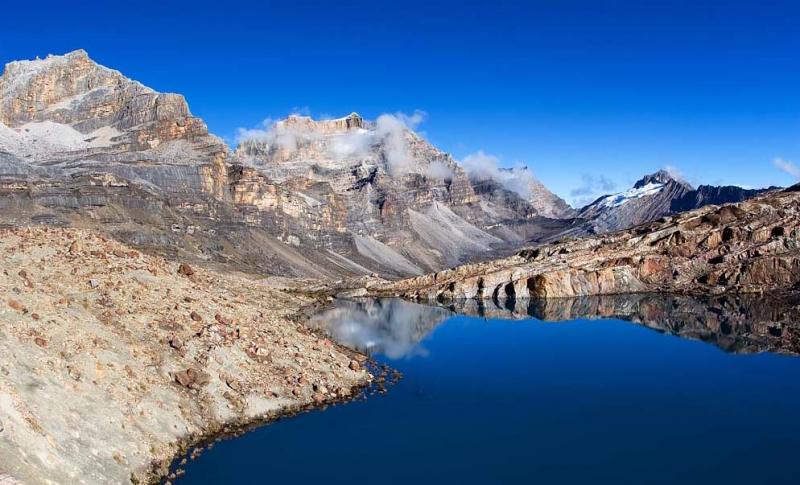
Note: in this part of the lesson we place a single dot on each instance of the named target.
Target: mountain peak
(661, 177)
(307, 123)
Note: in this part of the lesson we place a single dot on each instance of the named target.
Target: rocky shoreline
(113, 362)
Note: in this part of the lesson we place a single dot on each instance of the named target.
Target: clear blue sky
(571, 88)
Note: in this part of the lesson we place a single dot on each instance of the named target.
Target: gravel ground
(112, 361)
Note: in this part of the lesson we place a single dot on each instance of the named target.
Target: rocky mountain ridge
(746, 247)
(81, 145)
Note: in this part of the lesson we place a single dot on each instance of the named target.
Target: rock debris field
(112, 360)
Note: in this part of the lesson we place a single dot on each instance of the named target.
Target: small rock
(15, 305)
(40, 342)
(185, 270)
(191, 378)
(354, 365)
(176, 343)
(94, 283)
(195, 316)
(75, 247)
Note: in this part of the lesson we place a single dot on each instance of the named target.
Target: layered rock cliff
(747, 247)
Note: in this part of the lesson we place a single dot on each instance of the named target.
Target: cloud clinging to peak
(484, 166)
(389, 131)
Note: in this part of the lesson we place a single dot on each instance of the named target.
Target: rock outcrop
(747, 247)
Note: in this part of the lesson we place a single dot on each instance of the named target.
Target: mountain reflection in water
(737, 324)
(495, 400)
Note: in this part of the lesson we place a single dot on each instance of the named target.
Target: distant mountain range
(654, 196)
(82, 145)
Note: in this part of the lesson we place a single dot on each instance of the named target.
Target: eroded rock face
(75, 91)
(747, 247)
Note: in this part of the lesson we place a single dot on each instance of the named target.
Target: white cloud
(439, 171)
(392, 131)
(788, 167)
(483, 166)
(592, 187)
(674, 172)
(286, 136)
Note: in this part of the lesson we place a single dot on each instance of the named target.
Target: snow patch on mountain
(616, 200)
(46, 138)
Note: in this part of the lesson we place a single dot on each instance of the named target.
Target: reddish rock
(15, 305)
(191, 378)
(185, 270)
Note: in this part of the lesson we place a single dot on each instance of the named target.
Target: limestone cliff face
(75, 91)
(66, 115)
(414, 200)
(752, 246)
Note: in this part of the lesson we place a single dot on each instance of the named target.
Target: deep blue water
(524, 401)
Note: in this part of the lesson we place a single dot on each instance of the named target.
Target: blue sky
(581, 91)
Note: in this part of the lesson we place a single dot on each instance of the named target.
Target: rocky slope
(111, 359)
(750, 246)
(82, 145)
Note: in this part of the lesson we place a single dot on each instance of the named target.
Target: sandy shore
(113, 362)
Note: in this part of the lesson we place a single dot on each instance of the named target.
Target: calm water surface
(709, 393)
